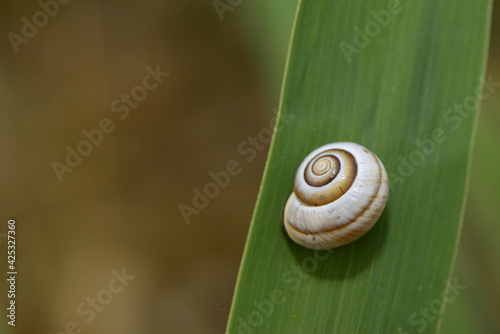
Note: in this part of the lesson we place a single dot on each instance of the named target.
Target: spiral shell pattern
(340, 191)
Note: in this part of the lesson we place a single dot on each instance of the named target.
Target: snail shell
(339, 193)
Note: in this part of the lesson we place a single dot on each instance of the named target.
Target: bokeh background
(119, 208)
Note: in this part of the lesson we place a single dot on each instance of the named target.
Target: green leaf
(399, 78)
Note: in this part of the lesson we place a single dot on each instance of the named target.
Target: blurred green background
(119, 208)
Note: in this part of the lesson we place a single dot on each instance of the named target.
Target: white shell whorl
(343, 197)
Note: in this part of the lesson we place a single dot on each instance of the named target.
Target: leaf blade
(393, 97)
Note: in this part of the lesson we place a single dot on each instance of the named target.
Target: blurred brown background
(119, 208)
